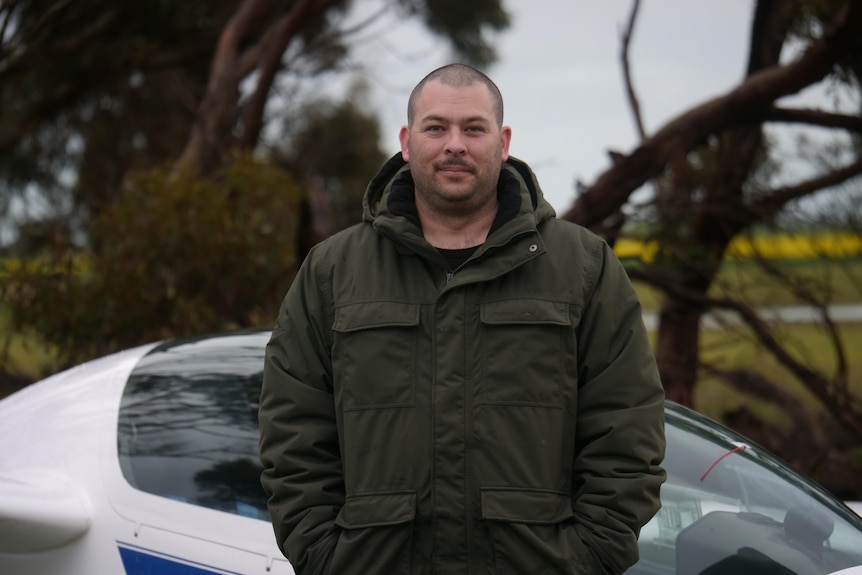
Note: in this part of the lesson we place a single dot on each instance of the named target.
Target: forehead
(453, 102)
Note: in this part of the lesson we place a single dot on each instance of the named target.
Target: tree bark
(677, 350)
(712, 227)
(218, 127)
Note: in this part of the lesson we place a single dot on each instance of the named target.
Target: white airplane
(145, 462)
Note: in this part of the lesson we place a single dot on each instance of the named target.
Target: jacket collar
(390, 193)
(402, 202)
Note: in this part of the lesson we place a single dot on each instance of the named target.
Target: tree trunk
(677, 349)
(220, 125)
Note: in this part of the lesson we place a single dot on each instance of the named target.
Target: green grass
(736, 349)
(841, 279)
(808, 343)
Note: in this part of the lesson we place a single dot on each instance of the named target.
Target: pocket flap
(522, 506)
(525, 311)
(377, 510)
(375, 314)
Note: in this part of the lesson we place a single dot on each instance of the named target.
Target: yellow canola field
(772, 247)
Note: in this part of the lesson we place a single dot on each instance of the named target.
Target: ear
(404, 136)
(505, 138)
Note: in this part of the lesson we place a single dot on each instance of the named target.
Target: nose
(455, 143)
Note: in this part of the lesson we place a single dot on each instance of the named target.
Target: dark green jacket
(506, 418)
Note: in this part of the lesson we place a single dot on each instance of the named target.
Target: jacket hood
(375, 201)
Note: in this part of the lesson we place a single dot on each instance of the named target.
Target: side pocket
(533, 532)
(376, 533)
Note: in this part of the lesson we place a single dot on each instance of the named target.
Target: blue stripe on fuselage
(140, 561)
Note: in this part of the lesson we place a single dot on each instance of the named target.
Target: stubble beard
(441, 199)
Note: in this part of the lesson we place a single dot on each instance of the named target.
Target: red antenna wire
(739, 447)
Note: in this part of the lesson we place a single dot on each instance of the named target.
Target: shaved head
(457, 76)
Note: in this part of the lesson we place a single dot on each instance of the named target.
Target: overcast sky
(560, 74)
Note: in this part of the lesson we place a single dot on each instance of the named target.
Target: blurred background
(165, 167)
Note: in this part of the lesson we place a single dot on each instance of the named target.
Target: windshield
(188, 424)
(728, 507)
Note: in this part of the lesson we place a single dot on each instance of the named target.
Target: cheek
(422, 151)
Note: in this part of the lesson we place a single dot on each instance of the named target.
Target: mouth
(455, 167)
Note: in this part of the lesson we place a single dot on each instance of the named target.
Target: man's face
(455, 148)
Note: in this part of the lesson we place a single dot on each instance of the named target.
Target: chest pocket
(374, 355)
(527, 351)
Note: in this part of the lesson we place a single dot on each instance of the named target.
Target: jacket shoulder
(348, 239)
(575, 231)
(572, 240)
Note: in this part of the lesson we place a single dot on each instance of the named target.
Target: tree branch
(269, 61)
(624, 55)
(218, 106)
(31, 59)
(747, 103)
(773, 201)
(814, 118)
(832, 392)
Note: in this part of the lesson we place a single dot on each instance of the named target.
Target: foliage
(334, 147)
(814, 17)
(175, 255)
(98, 87)
(93, 88)
(95, 95)
(466, 23)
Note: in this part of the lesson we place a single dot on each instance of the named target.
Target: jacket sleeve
(299, 447)
(620, 422)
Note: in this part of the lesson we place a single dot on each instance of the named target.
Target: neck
(456, 232)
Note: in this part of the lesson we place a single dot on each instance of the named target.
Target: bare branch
(630, 91)
(757, 385)
(771, 202)
(815, 118)
(833, 392)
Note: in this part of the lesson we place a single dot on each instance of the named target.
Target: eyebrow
(442, 120)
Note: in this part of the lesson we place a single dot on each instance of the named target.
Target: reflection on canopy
(188, 424)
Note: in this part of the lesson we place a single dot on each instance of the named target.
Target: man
(461, 383)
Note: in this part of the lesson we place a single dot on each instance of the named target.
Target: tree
(92, 88)
(140, 120)
(223, 121)
(714, 181)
